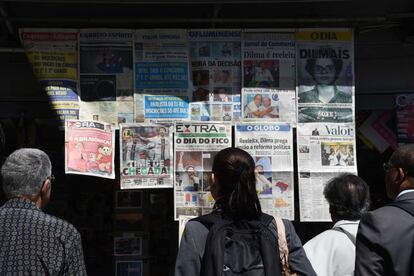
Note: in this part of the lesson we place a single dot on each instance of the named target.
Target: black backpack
(245, 248)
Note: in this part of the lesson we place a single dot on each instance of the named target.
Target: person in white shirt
(332, 253)
(262, 73)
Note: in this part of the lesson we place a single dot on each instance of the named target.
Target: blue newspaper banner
(161, 107)
(262, 127)
(161, 75)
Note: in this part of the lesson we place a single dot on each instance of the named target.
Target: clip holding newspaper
(196, 145)
(89, 148)
(271, 146)
(146, 156)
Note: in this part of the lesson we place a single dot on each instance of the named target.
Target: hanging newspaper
(146, 153)
(89, 148)
(405, 118)
(196, 144)
(268, 92)
(324, 151)
(271, 145)
(106, 75)
(325, 71)
(53, 56)
(161, 75)
(215, 61)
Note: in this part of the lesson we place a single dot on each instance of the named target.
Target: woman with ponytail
(233, 186)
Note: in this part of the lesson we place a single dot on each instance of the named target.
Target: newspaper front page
(324, 151)
(89, 148)
(196, 144)
(106, 75)
(215, 66)
(146, 156)
(271, 146)
(53, 56)
(161, 75)
(268, 58)
(325, 75)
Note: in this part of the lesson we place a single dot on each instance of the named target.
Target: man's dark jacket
(385, 241)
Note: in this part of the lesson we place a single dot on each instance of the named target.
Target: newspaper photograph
(128, 244)
(326, 147)
(405, 118)
(215, 66)
(196, 145)
(268, 58)
(146, 152)
(106, 75)
(129, 267)
(53, 55)
(271, 146)
(313, 205)
(161, 75)
(325, 75)
(89, 148)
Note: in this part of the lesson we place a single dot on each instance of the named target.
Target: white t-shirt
(332, 253)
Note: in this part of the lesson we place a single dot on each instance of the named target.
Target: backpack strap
(349, 235)
(405, 205)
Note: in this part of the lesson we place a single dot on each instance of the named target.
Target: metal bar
(198, 20)
(132, 2)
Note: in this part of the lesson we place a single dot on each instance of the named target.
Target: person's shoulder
(61, 226)
(308, 95)
(342, 96)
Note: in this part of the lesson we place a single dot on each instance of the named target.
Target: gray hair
(24, 172)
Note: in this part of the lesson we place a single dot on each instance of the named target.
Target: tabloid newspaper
(268, 59)
(146, 156)
(215, 65)
(195, 147)
(271, 146)
(54, 59)
(325, 75)
(106, 75)
(324, 151)
(161, 75)
(89, 148)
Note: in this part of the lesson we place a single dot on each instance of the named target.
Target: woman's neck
(325, 92)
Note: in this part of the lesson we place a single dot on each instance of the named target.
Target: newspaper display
(215, 66)
(405, 118)
(268, 76)
(146, 153)
(106, 75)
(325, 75)
(89, 148)
(271, 146)
(161, 75)
(196, 144)
(53, 56)
(324, 151)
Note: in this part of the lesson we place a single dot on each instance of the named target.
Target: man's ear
(46, 186)
(401, 175)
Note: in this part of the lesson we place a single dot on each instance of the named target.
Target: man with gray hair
(32, 242)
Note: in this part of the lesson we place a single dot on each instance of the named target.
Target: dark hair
(348, 196)
(311, 62)
(403, 158)
(233, 170)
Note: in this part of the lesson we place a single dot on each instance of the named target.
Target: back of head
(348, 197)
(234, 174)
(24, 172)
(403, 158)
